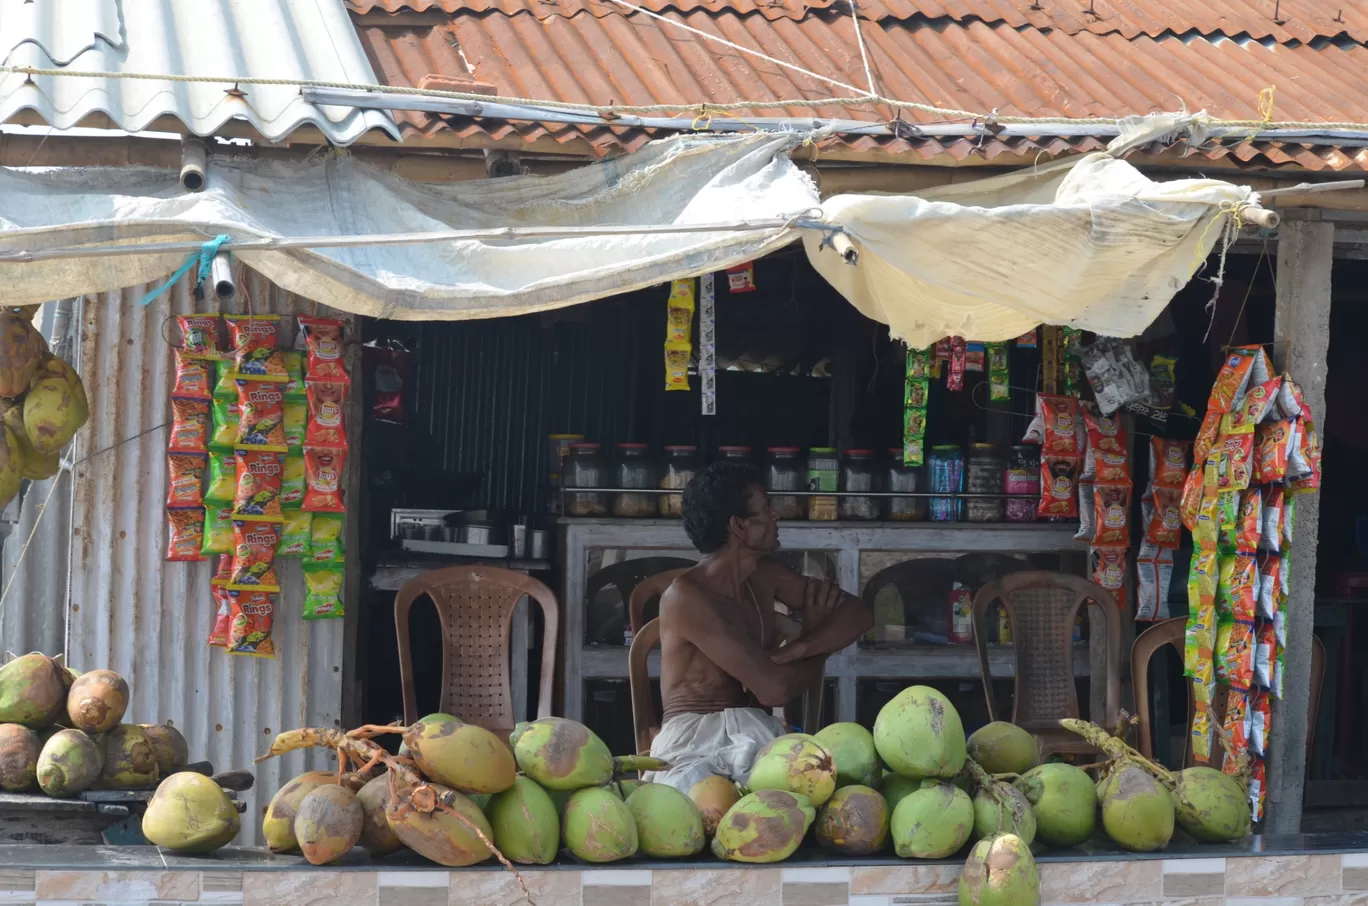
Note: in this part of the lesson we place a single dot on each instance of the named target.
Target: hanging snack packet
(249, 632)
(1229, 390)
(1164, 527)
(1206, 533)
(222, 477)
(296, 535)
(999, 372)
(1270, 582)
(199, 335)
(1154, 572)
(1304, 459)
(218, 632)
(323, 479)
(218, 531)
(1249, 521)
(225, 385)
(1239, 656)
(1168, 462)
(327, 538)
(189, 426)
(1230, 463)
(1224, 627)
(1058, 479)
(323, 591)
(741, 278)
(679, 315)
(916, 392)
(254, 550)
(1112, 506)
(1258, 790)
(1199, 639)
(226, 419)
(1059, 417)
(1228, 518)
(1110, 468)
(194, 377)
(1163, 373)
(261, 416)
(1201, 734)
(1259, 403)
(1290, 399)
(1105, 432)
(292, 482)
(256, 352)
(1109, 569)
(326, 399)
(259, 473)
(1289, 518)
(1265, 655)
(1087, 511)
(914, 437)
(1236, 727)
(1274, 441)
(677, 366)
(1270, 529)
(1191, 504)
(185, 473)
(975, 356)
(186, 525)
(1279, 671)
(1207, 435)
(959, 360)
(1260, 723)
(323, 339)
(294, 375)
(1238, 596)
(918, 364)
(296, 422)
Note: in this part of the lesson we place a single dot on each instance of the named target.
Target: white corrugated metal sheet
(274, 39)
(132, 612)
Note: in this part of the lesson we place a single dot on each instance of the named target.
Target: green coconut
(377, 837)
(69, 764)
(431, 718)
(895, 788)
(797, 763)
(933, 823)
(1210, 805)
(1137, 813)
(763, 827)
(1003, 748)
(562, 754)
(852, 748)
(328, 824)
(33, 691)
(598, 826)
(169, 746)
(669, 825)
(526, 826)
(992, 818)
(129, 761)
(854, 821)
(278, 825)
(190, 813)
(460, 755)
(919, 734)
(1064, 802)
(1000, 871)
(448, 835)
(20, 749)
(714, 795)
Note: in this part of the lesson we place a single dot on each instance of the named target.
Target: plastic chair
(1041, 607)
(605, 624)
(475, 605)
(1170, 632)
(647, 590)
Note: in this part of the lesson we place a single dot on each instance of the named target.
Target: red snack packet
(1258, 403)
(1168, 462)
(1110, 468)
(1060, 417)
(261, 416)
(1290, 399)
(323, 336)
(1165, 526)
(1249, 521)
(186, 525)
(189, 426)
(256, 347)
(1270, 536)
(1207, 436)
(185, 479)
(942, 350)
(1240, 656)
(251, 616)
(1230, 463)
(326, 401)
(958, 360)
(1105, 432)
(218, 634)
(1111, 504)
(1229, 389)
(1192, 498)
(1258, 789)
(1274, 442)
(323, 470)
(1265, 655)
(1306, 455)
(254, 556)
(1238, 586)
(1237, 728)
(1109, 569)
(741, 279)
(259, 474)
(1058, 485)
(194, 377)
(200, 336)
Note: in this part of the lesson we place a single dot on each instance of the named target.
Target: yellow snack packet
(677, 366)
(679, 312)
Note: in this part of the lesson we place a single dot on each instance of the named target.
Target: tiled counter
(1316, 870)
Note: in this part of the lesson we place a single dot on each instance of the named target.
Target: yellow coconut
(278, 826)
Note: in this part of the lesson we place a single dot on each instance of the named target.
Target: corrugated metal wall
(132, 612)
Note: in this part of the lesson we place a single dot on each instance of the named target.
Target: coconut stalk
(994, 784)
(1117, 749)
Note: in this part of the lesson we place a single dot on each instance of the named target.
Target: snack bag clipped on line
(1087, 511)
(218, 531)
(199, 336)
(189, 426)
(1058, 482)
(226, 416)
(254, 551)
(252, 614)
(185, 526)
(1236, 727)
(296, 535)
(1201, 734)
(185, 479)
(323, 339)
(323, 591)
(194, 377)
(1112, 508)
(1168, 462)
(1164, 525)
(256, 348)
(259, 474)
(327, 538)
(261, 416)
(1154, 572)
(326, 400)
(218, 632)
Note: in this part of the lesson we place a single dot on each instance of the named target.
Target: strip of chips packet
(222, 484)
(323, 591)
(218, 530)
(252, 615)
(323, 471)
(296, 535)
(326, 402)
(218, 632)
(189, 426)
(261, 416)
(292, 482)
(327, 538)
(254, 552)
(256, 348)
(185, 525)
(199, 336)
(259, 475)
(194, 377)
(185, 478)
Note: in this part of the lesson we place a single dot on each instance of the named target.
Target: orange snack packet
(1111, 504)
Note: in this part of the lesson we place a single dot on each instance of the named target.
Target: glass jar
(635, 471)
(734, 454)
(584, 468)
(984, 474)
(1023, 477)
(681, 465)
(786, 472)
(560, 450)
(904, 479)
(823, 474)
(947, 476)
(857, 474)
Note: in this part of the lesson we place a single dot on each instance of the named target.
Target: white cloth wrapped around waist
(723, 743)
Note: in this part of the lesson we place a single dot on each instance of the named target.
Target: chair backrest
(1041, 607)
(475, 605)
(604, 621)
(651, 587)
(1170, 632)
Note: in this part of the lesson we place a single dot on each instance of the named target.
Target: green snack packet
(222, 479)
(292, 481)
(296, 535)
(218, 528)
(327, 538)
(225, 386)
(294, 370)
(323, 591)
(296, 419)
(226, 418)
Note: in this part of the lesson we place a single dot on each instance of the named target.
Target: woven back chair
(1170, 633)
(647, 590)
(1041, 608)
(475, 605)
(605, 622)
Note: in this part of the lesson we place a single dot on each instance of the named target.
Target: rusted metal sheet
(965, 64)
(131, 611)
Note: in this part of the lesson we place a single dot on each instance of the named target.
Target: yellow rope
(1265, 111)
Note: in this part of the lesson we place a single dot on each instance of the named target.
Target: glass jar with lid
(904, 479)
(679, 468)
(984, 474)
(823, 474)
(857, 474)
(734, 454)
(786, 472)
(584, 468)
(947, 477)
(635, 471)
(1023, 477)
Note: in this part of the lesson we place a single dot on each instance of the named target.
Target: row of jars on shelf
(985, 469)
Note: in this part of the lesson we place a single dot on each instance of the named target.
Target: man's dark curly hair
(712, 498)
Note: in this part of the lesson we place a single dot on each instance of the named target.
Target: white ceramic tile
(1194, 866)
(414, 879)
(816, 876)
(1263, 901)
(219, 896)
(1354, 860)
(17, 896)
(869, 901)
(610, 878)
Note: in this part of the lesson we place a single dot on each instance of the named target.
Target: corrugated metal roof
(132, 612)
(975, 66)
(309, 39)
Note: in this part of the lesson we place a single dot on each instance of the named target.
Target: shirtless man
(722, 666)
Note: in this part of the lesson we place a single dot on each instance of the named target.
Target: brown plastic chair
(475, 605)
(1170, 632)
(1041, 607)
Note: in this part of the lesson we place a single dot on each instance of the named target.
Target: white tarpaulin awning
(1092, 243)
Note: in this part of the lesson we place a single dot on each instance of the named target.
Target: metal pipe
(221, 275)
(194, 161)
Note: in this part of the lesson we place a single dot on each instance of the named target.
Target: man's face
(760, 529)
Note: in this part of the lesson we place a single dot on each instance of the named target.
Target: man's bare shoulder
(685, 596)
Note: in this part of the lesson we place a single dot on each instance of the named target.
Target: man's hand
(819, 600)
(793, 651)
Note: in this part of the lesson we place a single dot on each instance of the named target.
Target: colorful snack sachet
(189, 426)
(186, 533)
(199, 336)
(323, 471)
(261, 416)
(194, 377)
(323, 591)
(296, 535)
(185, 479)
(323, 338)
(259, 474)
(218, 633)
(327, 538)
(252, 614)
(254, 551)
(218, 530)
(326, 400)
(255, 345)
